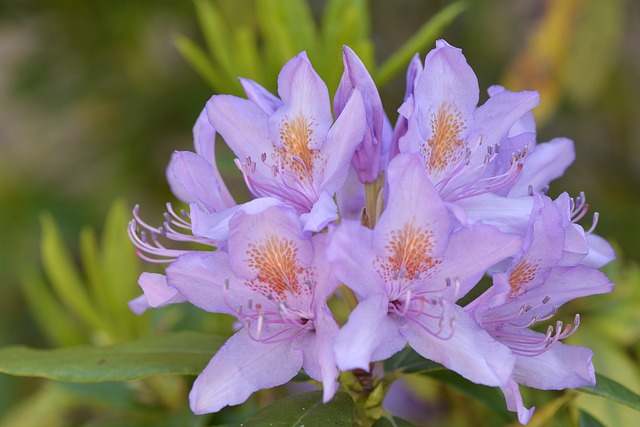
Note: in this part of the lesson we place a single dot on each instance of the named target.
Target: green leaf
(606, 387)
(395, 422)
(425, 36)
(306, 409)
(217, 36)
(586, 420)
(120, 270)
(52, 318)
(62, 273)
(200, 62)
(344, 22)
(185, 353)
(490, 396)
(408, 361)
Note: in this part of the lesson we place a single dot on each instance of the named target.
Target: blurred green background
(95, 96)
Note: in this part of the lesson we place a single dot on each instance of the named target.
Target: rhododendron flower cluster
(406, 219)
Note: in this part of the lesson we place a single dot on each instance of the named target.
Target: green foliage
(87, 304)
(305, 410)
(586, 420)
(425, 36)
(180, 353)
(393, 422)
(610, 389)
(256, 43)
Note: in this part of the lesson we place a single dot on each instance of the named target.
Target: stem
(373, 201)
(368, 392)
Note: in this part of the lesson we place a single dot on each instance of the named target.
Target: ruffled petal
(470, 351)
(562, 366)
(495, 118)
(198, 180)
(267, 101)
(319, 360)
(510, 215)
(305, 96)
(414, 204)
(241, 367)
(546, 163)
(324, 211)
(470, 253)
(368, 336)
(342, 140)
(600, 253)
(242, 124)
(564, 284)
(351, 258)
(202, 277)
(367, 157)
(204, 140)
(514, 402)
(273, 232)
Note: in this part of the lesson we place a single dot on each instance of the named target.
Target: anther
(263, 157)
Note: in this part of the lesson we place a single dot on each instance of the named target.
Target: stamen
(594, 223)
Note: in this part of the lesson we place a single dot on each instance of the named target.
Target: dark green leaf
(608, 388)
(586, 420)
(306, 409)
(490, 396)
(396, 422)
(408, 361)
(178, 353)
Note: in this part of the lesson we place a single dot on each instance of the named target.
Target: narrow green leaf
(288, 27)
(90, 258)
(489, 396)
(408, 361)
(51, 317)
(306, 410)
(279, 47)
(199, 61)
(216, 34)
(606, 387)
(185, 353)
(394, 422)
(587, 420)
(62, 273)
(425, 36)
(344, 22)
(120, 269)
(247, 56)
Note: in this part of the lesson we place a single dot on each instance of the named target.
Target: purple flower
(535, 284)
(450, 132)
(290, 148)
(372, 154)
(275, 280)
(408, 272)
(194, 179)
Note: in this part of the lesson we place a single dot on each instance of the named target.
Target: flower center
(295, 154)
(279, 271)
(521, 276)
(446, 146)
(408, 259)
